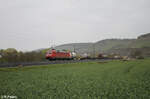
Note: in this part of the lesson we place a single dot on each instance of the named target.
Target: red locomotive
(59, 55)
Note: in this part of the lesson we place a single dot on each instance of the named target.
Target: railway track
(49, 62)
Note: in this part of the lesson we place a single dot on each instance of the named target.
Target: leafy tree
(12, 55)
(137, 54)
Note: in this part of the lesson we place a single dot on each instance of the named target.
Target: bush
(137, 54)
(139, 57)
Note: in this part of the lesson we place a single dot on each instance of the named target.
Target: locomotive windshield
(48, 52)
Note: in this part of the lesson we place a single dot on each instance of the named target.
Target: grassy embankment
(113, 80)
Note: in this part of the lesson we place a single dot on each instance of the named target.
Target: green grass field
(93, 80)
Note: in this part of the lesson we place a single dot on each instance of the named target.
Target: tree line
(11, 55)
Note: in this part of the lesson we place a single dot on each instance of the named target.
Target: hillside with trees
(124, 47)
(119, 46)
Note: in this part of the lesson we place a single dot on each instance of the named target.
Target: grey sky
(33, 24)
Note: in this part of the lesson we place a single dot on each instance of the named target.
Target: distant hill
(141, 41)
(78, 47)
(145, 36)
(106, 45)
(120, 46)
(99, 47)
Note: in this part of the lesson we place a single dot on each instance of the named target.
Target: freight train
(67, 55)
(60, 55)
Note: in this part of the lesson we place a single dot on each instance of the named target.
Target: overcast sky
(34, 24)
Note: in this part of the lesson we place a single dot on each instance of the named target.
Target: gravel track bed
(49, 62)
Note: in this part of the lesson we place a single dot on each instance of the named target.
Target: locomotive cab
(50, 54)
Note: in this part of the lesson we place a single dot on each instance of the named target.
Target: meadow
(90, 80)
